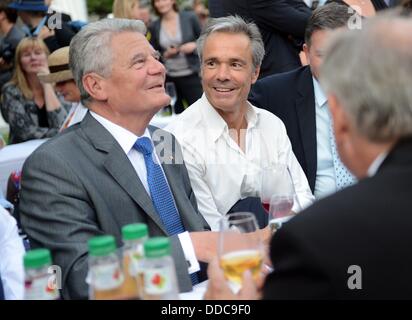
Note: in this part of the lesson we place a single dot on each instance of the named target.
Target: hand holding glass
(240, 247)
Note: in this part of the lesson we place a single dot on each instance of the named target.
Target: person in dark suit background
(354, 244)
(366, 8)
(102, 174)
(297, 99)
(282, 25)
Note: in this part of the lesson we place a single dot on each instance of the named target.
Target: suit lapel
(119, 167)
(305, 110)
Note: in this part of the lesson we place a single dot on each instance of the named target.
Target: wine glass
(280, 210)
(277, 193)
(171, 91)
(240, 247)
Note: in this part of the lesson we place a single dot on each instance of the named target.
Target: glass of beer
(240, 247)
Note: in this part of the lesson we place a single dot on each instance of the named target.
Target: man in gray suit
(96, 176)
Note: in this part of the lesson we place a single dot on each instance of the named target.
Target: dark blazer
(81, 184)
(368, 225)
(291, 97)
(282, 24)
(377, 4)
(190, 28)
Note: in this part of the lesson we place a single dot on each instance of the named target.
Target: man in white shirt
(11, 261)
(103, 173)
(226, 140)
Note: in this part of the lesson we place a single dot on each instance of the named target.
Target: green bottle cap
(102, 245)
(37, 258)
(134, 231)
(157, 247)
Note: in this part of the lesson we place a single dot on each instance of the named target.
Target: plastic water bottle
(39, 281)
(159, 271)
(105, 273)
(134, 235)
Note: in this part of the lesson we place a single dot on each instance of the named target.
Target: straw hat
(59, 67)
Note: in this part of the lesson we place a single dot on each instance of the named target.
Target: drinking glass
(280, 210)
(277, 193)
(240, 247)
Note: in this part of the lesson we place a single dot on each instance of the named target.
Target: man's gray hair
(234, 24)
(370, 73)
(91, 51)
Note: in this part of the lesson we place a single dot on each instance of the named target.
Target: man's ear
(306, 51)
(255, 75)
(94, 84)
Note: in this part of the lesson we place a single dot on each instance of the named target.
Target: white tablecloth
(12, 158)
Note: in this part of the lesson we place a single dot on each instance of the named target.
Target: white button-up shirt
(220, 172)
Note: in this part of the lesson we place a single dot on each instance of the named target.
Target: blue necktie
(160, 192)
(342, 175)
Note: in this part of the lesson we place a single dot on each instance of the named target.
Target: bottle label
(107, 276)
(157, 281)
(40, 289)
(135, 257)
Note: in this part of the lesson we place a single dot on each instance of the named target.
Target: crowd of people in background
(319, 86)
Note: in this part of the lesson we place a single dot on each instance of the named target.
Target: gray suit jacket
(81, 184)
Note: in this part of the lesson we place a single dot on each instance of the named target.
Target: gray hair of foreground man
(90, 49)
(370, 73)
(236, 25)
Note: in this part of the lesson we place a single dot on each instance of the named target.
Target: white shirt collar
(319, 94)
(374, 167)
(124, 137)
(217, 124)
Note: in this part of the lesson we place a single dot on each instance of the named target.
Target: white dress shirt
(126, 140)
(376, 164)
(76, 114)
(220, 172)
(11, 257)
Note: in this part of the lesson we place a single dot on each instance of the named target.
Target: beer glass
(240, 247)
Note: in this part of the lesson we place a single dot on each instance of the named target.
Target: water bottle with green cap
(159, 271)
(39, 281)
(134, 235)
(105, 273)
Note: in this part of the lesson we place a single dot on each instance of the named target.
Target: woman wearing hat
(61, 75)
(31, 107)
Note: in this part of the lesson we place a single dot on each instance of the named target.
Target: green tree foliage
(99, 7)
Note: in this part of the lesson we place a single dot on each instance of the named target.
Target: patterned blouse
(24, 116)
